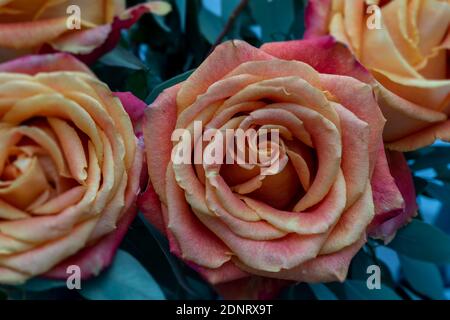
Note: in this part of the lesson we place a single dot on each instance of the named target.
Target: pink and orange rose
(249, 233)
(70, 168)
(29, 26)
(407, 53)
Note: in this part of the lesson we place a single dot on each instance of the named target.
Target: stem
(229, 23)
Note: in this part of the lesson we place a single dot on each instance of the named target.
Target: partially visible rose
(42, 26)
(70, 168)
(407, 54)
(250, 233)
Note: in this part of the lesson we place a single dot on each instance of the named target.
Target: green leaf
(210, 25)
(41, 284)
(322, 292)
(3, 295)
(167, 84)
(126, 279)
(411, 295)
(298, 27)
(420, 184)
(121, 57)
(432, 157)
(300, 291)
(424, 277)
(181, 5)
(275, 17)
(160, 20)
(422, 241)
(357, 290)
(137, 84)
(438, 191)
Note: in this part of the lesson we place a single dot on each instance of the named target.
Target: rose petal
(386, 225)
(323, 54)
(34, 64)
(316, 18)
(222, 60)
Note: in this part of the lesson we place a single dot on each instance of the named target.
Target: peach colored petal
(432, 31)
(363, 105)
(286, 89)
(41, 259)
(228, 200)
(111, 212)
(93, 259)
(326, 140)
(355, 153)
(413, 117)
(9, 212)
(224, 274)
(352, 224)
(316, 221)
(55, 105)
(301, 167)
(10, 245)
(72, 147)
(189, 232)
(112, 180)
(391, 61)
(323, 54)
(258, 230)
(278, 117)
(428, 93)
(277, 68)
(34, 64)
(31, 34)
(386, 195)
(12, 277)
(22, 191)
(385, 225)
(61, 202)
(324, 268)
(119, 116)
(82, 42)
(222, 60)
(46, 228)
(272, 255)
(159, 123)
(354, 21)
(422, 138)
(338, 31)
(217, 92)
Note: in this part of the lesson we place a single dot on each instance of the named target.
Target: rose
(407, 54)
(47, 26)
(70, 167)
(304, 222)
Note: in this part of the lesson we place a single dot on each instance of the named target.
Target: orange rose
(407, 52)
(28, 26)
(307, 218)
(69, 168)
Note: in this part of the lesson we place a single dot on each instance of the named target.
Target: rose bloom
(407, 54)
(70, 167)
(241, 229)
(27, 26)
